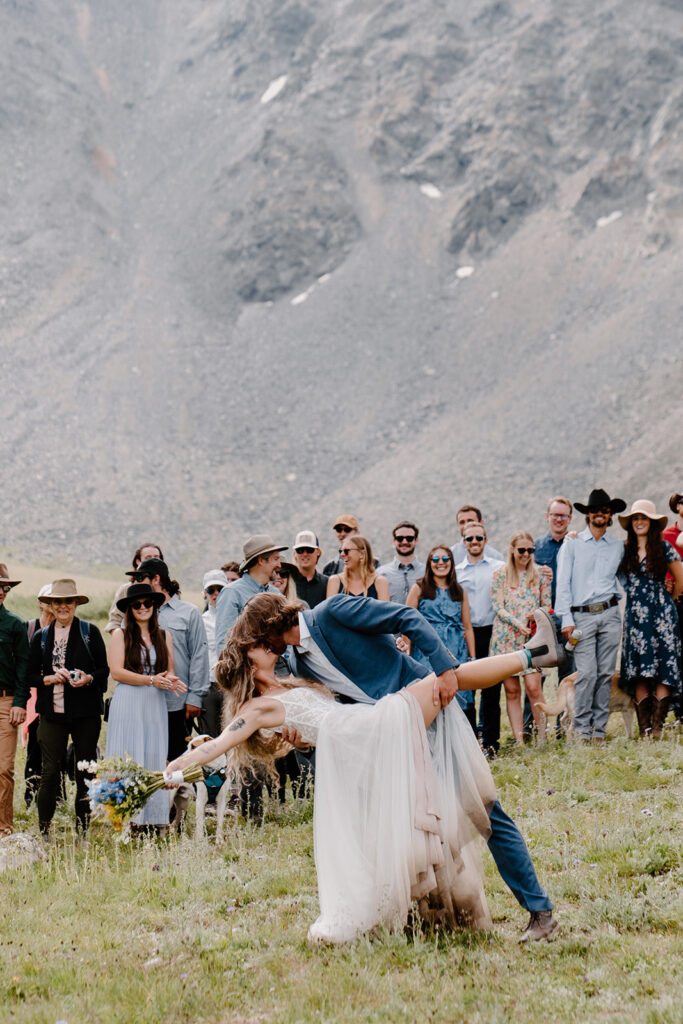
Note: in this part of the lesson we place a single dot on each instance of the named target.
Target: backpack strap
(31, 628)
(43, 639)
(85, 633)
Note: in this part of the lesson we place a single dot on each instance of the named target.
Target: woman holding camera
(68, 667)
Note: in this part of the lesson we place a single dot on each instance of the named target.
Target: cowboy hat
(258, 545)
(643, 507)
(135, 592)
(600, 499)
(5, 581)
(65, 590)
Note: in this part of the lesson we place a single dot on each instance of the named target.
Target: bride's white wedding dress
(397, 812)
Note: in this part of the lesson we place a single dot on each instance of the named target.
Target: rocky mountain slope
(261, 263)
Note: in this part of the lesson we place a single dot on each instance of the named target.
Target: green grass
(180, 931)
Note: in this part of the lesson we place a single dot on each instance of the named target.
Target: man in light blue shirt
(471, 514)
(406, 568)
(474, 574)
(261, 559)
(190, 652)
(587, 600)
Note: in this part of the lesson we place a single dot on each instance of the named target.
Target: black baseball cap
(150, 567)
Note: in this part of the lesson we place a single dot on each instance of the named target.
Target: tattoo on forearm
(237, 724)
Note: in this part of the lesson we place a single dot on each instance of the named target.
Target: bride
(396, 813)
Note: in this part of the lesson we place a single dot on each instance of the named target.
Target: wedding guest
(231, 570)
(13, 695)
(29, 728)
(405, 568)
(210, 719)
(445, 606)
(465, 515)
(261, 559)
(68, 667)
(345, 526)
(283, 580)
(518, 588)
(587, 601)
(190, 652)
(651, 644)
(558, 517)
(359, 576)
(144, 551)
(141, 663)
(474, 575)
(674, 535)
(311, 585)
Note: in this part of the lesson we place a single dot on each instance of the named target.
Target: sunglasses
(141, 577)
(342, 529)
(305, 551)
(558, 515)
(405, 540)
(214, 589)
(440, 558)
(282, 573)
(346, 551)
(525, 551)
(476, 536)
(5, 589)
(144, 603)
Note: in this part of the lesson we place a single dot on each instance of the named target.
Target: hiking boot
(545, 651)
(542, 925)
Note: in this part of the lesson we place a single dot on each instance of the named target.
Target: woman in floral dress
(651, 643)
(516, 589)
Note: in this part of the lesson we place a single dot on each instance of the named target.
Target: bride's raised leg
(474, 675)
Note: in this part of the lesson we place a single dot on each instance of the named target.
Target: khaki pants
(8, 749)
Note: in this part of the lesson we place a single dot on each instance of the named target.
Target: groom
(348, 643)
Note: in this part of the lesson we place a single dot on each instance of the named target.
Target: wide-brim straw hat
(600, 499)
(257, 546)
(643, 507)
(5, 580)
(135, 592)
(66, 590)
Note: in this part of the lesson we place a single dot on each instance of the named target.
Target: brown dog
(564, 703)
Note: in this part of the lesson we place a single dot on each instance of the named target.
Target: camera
(75, 675)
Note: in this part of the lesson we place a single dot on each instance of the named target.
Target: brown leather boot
(644, 715)
(659, 712)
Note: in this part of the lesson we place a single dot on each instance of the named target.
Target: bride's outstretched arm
(260, 713)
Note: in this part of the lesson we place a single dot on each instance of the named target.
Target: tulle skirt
(397, 818)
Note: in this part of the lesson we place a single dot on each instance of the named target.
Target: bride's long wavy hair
(235, 675)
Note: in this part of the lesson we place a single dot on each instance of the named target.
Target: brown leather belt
(595, 609)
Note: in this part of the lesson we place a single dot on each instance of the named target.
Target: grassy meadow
(184, 931)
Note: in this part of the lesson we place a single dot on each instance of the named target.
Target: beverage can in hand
(573, 640)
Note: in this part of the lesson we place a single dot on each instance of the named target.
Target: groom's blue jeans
(510, 853)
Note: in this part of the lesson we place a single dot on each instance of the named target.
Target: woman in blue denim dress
(444, 604)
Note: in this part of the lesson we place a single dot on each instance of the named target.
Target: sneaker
(542, 925)
(543, 646)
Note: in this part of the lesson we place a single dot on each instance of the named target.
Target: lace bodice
(304, 711)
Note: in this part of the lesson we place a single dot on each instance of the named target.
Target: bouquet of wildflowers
(121, 787)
